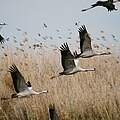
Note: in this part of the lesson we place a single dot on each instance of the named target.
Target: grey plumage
(85, 45)
(69, 63)
(66, 57)
(85, 40)
(18, 80)
(22, 88)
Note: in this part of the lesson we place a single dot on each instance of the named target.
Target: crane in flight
(85, 45)
(109, 4)
(22, 88)
(69, 62)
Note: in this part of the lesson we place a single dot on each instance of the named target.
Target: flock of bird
(69, 61)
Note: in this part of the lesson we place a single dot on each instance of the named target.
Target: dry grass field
(82, 96)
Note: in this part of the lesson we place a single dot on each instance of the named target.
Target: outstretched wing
(1, 39)
(85, 40)
(18, 79)
(67, 57)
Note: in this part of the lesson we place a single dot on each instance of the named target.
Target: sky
(30, 15)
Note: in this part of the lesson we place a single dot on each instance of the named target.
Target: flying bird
(45, 25)
(69, 62)
(52, 113)
(85, 45)
(3, 24)
(18, 29)
(107, 4)
(39, 34)
(22, 88)
(1, 39)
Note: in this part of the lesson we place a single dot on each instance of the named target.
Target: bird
(18, 29)
(45, 25)
(2, 39)
(107, 4)
(85, 45)
(21, 87)
(69, 64)
(52, 113)
(3, 24)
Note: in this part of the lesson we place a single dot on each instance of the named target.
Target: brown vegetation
(82, 96)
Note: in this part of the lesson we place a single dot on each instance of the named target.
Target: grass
(82, 96)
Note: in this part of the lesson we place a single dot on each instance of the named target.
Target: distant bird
(107, 4)
(18, 29)
(70, 62)
(52, 113)
(76, 24)
(39, 34)
(85, 45)
(45, 25)
(3, 24)
(21, 87)
(58, 30)
(51, 37)
(69, 38)
(1, 39)
(59, 37)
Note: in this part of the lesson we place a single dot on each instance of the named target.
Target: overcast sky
(29, 16)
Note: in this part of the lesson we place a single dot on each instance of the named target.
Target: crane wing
(66, 57)
(18, 79)
(85, 40)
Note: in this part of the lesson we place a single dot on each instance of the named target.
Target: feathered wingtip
(13, 68)
(76, 55)
(82, 29)
(2, 40)
(64, 47)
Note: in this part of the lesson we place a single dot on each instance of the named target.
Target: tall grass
(82, 96)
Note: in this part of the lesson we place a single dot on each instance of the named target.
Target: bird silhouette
(107, 4)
